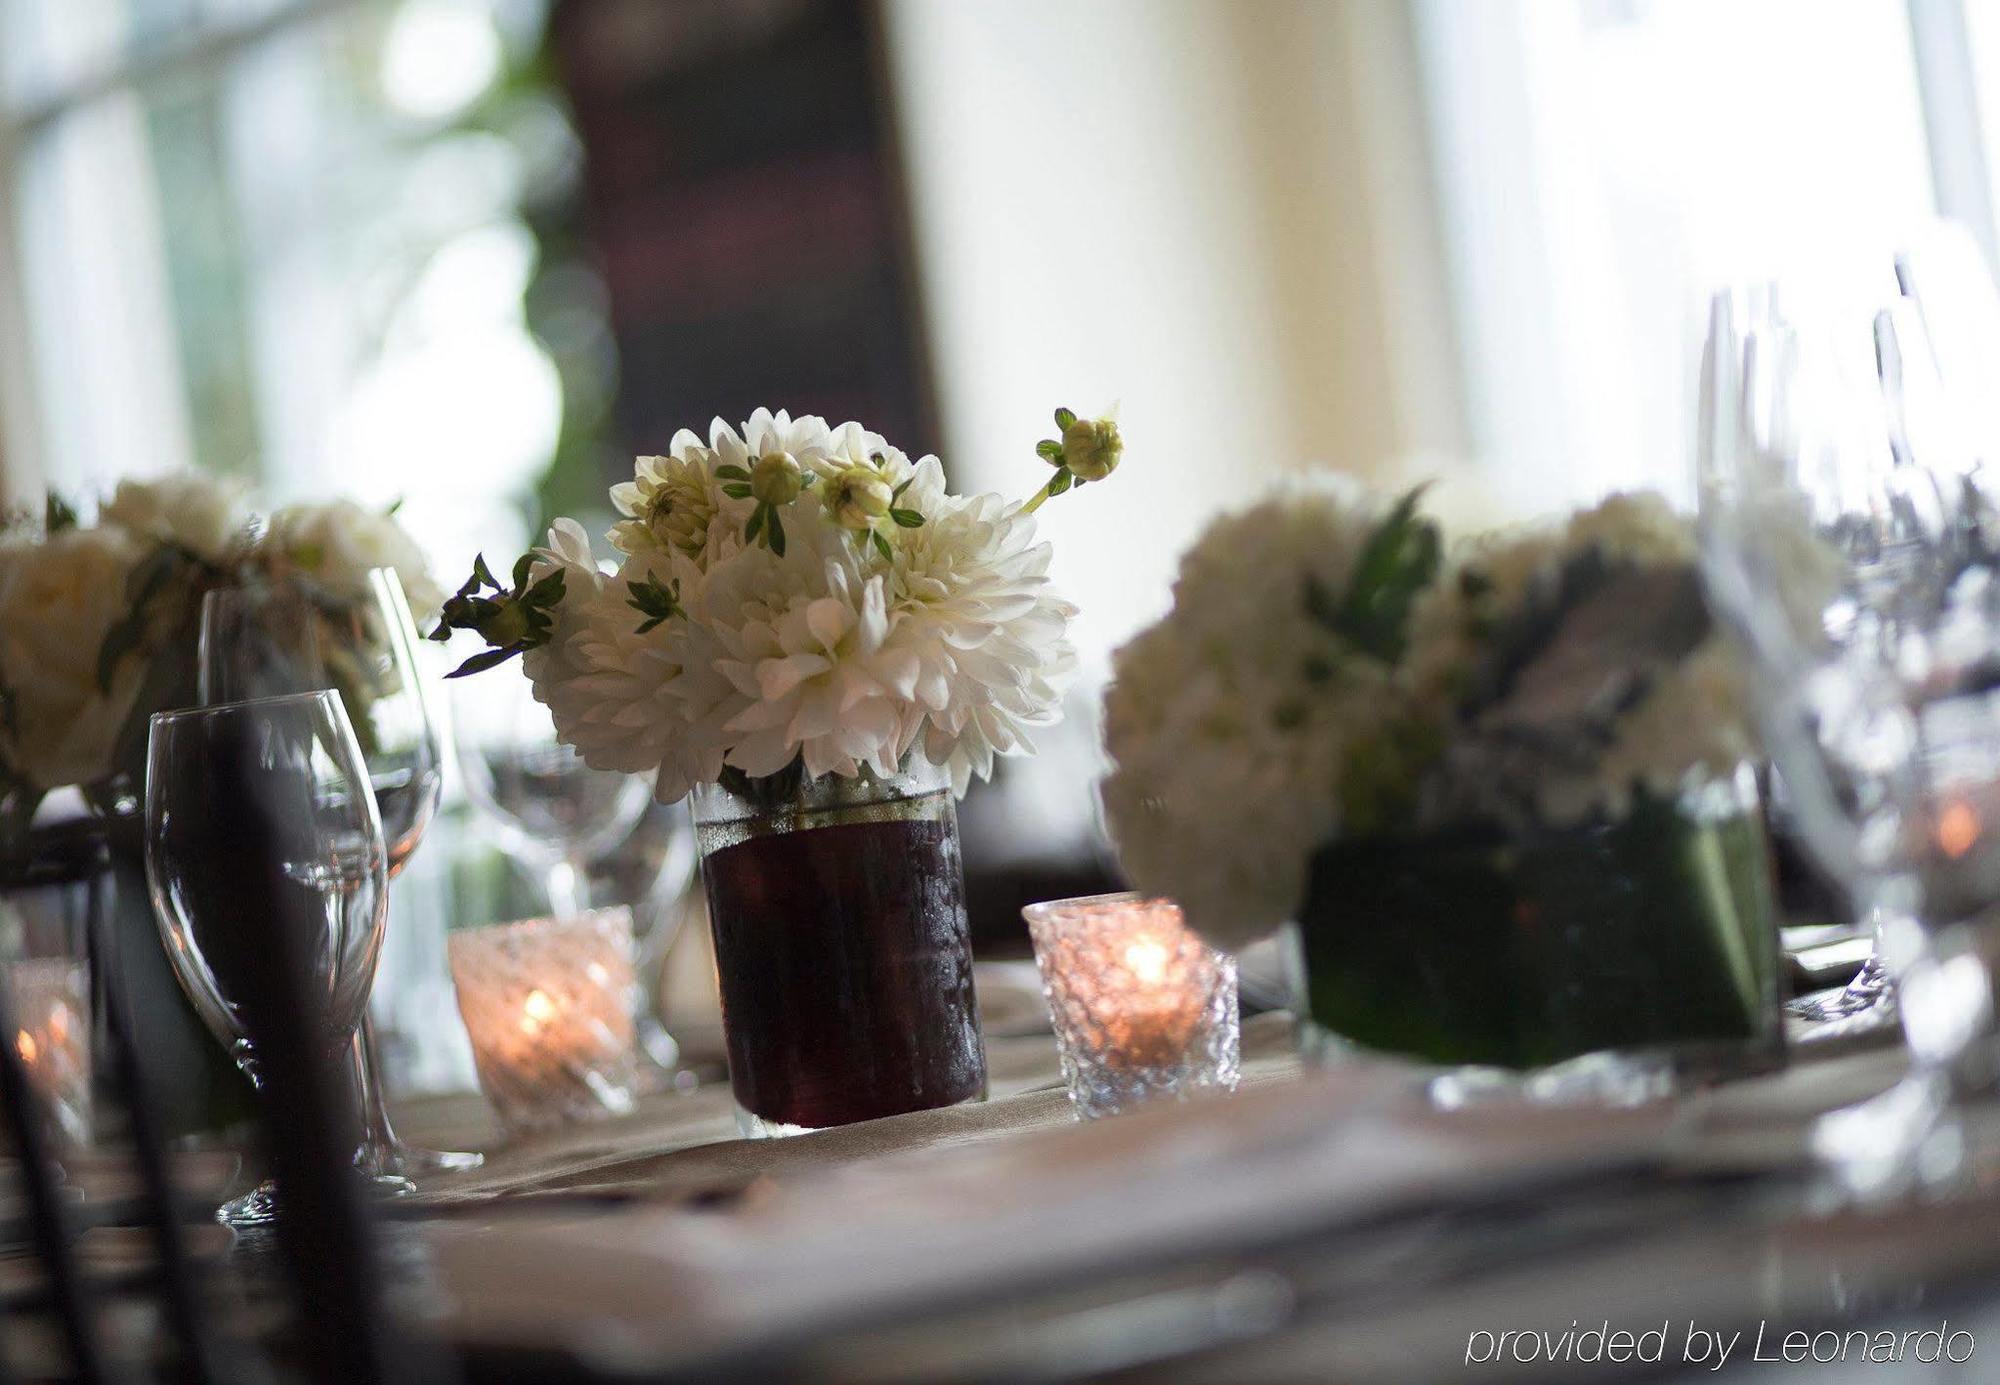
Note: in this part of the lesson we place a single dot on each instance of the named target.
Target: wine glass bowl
(547, 803)
(550, 810)
(1875, 675)
(268, 640)
(283, 637)
(225, 785)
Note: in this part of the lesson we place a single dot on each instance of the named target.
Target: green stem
(1036, 502)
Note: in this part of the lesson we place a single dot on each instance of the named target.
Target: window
(1605, 163)
(291, 239)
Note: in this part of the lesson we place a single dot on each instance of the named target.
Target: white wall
(1215, 213)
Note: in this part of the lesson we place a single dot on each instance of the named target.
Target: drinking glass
(1844, 539)
(553, 812)
(271, 639)
(283, 769)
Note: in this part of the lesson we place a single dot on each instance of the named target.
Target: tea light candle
(547, 1004)
(1142, 1006)
(50, 1001)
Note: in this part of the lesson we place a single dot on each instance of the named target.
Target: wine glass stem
(378, 1138)
(567, 889)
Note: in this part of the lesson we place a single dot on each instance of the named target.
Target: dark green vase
(1654, 933)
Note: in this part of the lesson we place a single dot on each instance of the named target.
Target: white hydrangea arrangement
(97, 621)
(794, 599)
(1330, 669)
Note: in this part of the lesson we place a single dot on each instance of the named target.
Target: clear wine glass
(293, 762)
(274, 638)
(552, 811)
(1843, 539)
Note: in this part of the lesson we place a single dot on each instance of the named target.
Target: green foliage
(1400, 559)
(512, 620)
(57, 514)
(657, 602)
(1099, 457)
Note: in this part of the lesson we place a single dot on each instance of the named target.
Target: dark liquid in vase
(846, 972)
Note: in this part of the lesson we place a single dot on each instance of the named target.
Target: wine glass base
(411, 1162)
(259, 1206)
(1870, 988)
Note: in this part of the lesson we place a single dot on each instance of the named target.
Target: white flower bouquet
(793, 601)
(810, 634)
(1500, 784)
(98, 622)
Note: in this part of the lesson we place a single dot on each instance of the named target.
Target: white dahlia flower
(337, 543)
(1229, 721)
(1690, 719)
(974, 607)
(674, 504)
(807, 642)
(204, 514)
(629, 702)
(792, 595)
(58, 599)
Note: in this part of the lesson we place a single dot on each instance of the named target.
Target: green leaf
(756, 524)
(394, 506)
(482, 576)
(57, 514)
(1064, 418)
(897, 494)
(1061, 481)
(1400, 559)
(1049, 450)
(145, 584)
(522, 565)
(485, 659)
(737, 490)
(777, 534)
(733, 472)
(656, 601)
(881, 545)
(548, 591)
(908, 519)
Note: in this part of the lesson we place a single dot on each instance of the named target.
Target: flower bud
(1091, 447)
(858, 497)
(776, 479)
(506, 624)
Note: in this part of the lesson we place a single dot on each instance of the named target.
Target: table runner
(685, 1144)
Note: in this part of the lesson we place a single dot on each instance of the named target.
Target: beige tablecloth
(684, 1145)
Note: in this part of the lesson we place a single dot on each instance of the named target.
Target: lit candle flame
(1146, 959)
(1957, 829)
(25, 1045)
(59, 1023)
(537, 1010)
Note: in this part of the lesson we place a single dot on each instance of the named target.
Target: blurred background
(473, 255)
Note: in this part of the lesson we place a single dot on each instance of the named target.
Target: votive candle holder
(1143, 1008)
(48, 999)
(548, 1004)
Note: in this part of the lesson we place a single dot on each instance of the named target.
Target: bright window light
(438, 58)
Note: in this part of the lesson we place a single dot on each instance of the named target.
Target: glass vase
(841, 946)
(1650, 939)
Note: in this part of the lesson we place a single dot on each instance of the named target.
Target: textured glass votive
(547, 1004)
(49, 1001)
(1143, 1008)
